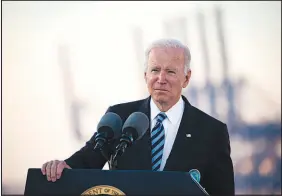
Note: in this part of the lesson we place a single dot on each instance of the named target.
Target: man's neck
(164, 106)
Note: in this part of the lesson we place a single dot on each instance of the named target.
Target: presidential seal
(103, 190)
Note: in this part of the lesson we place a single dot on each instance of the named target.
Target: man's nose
(162, 77)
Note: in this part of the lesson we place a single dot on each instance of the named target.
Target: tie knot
(161, 116)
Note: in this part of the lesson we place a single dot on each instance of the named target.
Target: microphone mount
(126, 140)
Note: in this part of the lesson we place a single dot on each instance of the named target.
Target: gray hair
(169, 43)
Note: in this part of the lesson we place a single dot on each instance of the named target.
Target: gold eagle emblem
(103, 190)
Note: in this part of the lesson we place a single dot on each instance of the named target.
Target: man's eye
(154, 70)
(172, 72)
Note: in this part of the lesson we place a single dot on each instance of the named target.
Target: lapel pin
(188, 135)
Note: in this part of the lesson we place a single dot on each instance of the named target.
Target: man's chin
(160, 99)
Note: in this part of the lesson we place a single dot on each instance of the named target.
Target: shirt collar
(173, 114)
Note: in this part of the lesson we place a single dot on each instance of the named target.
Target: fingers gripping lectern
(113, 182)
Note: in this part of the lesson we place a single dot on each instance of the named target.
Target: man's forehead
(167, 51)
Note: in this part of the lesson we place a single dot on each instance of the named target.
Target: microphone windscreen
(138, 122)
(110, 123)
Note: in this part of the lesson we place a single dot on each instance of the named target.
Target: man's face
(165, 75)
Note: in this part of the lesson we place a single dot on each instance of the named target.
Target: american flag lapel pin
(188, 135)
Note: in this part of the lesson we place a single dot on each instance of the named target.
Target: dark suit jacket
(208, 148)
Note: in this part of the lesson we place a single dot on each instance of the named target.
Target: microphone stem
(120, 150)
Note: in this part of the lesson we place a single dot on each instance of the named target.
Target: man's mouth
(160, 90)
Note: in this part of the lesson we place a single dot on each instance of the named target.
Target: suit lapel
(145, 108)
(182, 144)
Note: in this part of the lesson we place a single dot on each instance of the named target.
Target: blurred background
(65, 63)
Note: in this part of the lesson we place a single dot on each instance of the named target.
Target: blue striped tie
(158, 139)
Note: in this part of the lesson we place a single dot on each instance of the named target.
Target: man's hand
(53, 169)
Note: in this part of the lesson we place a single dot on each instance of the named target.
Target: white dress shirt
(171, 125)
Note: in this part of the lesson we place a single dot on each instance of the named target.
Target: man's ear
(187, 79)
(145, 77)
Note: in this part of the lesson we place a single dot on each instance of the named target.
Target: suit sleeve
(220, 176)
(86, 157)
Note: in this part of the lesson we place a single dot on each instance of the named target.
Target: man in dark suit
(180, 137)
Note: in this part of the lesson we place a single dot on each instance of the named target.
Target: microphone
(108, 128)
(133, 129)
(195, 175)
